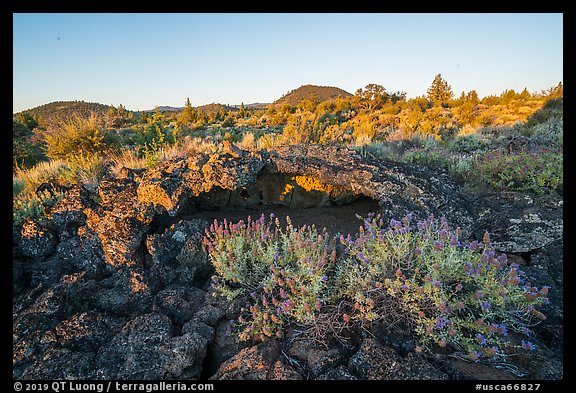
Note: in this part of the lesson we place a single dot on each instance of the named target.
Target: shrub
(248, 141)
(127, 158)
(436, 158)
(549, 133)
(78, 135)
(27, 203)
(283, 271)
(462, 296)
(31, 205)
(539, 170)
(468, 143)
(269, 141)
(379, 149)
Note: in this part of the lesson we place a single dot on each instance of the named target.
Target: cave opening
(306, 200)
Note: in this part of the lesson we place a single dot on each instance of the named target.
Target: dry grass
(248, 141)
(27, 180)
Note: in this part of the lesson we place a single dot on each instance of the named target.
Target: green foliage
(440, 92)
(372, 97)
(86, 169)
(462, 296)
(26, 119)
(32, 205)
(303, 128)
(25, 153)
(553, 109)
(468, 143)
(539, 170)
(242, 113)
(80, 168)
(51, 172)
(150, 153)
(229, 121)
(283, 271)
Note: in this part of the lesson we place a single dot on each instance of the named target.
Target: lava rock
(146, 349)
(61, 364)
(84, 253)
(373, 361)
(36, 240)
(180, 303)
(519, 222)
(260, 362)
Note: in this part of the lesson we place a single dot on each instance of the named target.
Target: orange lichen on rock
(137, 282)
(312, 184)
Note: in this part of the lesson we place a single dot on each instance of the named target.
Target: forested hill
(60, 110)
(209, 108)
(312, 92)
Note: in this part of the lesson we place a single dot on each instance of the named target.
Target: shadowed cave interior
(306, 200)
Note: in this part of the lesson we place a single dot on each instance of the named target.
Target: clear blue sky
(145, 60)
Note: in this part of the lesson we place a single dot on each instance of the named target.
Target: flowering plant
(284, 272)
(463, 296)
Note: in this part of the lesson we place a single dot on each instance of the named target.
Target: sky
(145, 60)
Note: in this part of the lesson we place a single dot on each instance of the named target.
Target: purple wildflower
(438, 245)
(454, 240)
(441, 322)
(443, 234)
(528, 345)
(406, 220)
(481, 339)
(473, 355)
(444, 223)
(287, 305)
(485, 304)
